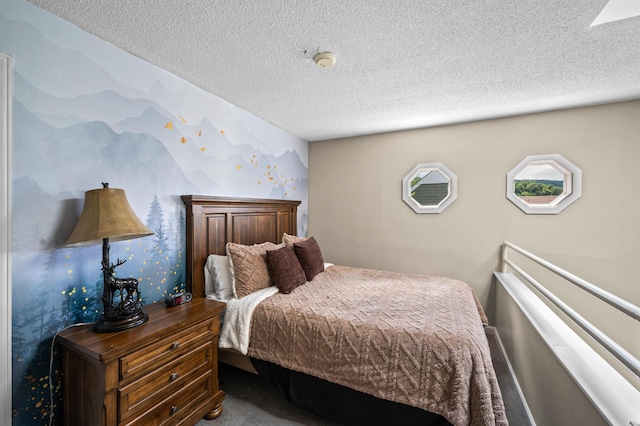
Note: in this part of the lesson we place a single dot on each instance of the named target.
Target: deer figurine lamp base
(120, 298)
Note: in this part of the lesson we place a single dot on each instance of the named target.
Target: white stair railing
(628, 360)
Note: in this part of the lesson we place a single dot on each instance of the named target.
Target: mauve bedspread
(411, 339)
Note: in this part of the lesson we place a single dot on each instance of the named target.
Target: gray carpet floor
(251, 401)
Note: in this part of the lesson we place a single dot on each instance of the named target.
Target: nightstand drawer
(140, 362)
(178, 406)
(164, 382)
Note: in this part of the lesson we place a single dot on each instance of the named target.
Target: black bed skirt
(340, 404)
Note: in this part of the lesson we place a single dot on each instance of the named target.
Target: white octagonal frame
(430, 167)
(572, 185)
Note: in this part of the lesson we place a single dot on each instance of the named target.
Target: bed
(353, 345)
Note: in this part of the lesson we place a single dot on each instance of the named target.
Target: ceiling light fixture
(325, 59)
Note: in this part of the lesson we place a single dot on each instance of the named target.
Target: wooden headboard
(212, 222)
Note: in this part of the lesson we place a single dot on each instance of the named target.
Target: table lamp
(107, 215)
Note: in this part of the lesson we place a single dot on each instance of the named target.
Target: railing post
(505, 252)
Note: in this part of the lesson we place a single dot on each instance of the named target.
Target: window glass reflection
(539, 184)
(429, 188)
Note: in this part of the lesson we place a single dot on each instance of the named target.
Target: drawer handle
(174, 409)
(173, 377)
(175, 345)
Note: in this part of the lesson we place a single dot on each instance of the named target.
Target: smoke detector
(325, 59)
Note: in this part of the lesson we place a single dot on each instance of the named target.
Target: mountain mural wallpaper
(86, 112)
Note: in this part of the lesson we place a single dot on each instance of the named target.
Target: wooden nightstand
(163, 372)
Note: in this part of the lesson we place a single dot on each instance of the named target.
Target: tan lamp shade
(106, 214)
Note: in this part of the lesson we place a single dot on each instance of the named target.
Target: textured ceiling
(400, 64)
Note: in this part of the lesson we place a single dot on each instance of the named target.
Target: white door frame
(5, 239)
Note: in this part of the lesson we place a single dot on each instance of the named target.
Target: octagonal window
(429, 188)
(544, 184)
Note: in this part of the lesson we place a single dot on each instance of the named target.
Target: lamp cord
(53, 341)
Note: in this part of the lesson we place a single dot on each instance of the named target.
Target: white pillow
(217, 278)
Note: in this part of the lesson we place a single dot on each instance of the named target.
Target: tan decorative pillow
(290, 240)
(249, 267)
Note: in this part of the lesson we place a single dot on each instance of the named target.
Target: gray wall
(595, 238)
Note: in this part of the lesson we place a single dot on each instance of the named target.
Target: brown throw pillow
(310, 257)
(249, 267)
(285, 269)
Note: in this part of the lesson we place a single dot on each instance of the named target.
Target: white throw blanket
(236, 327)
